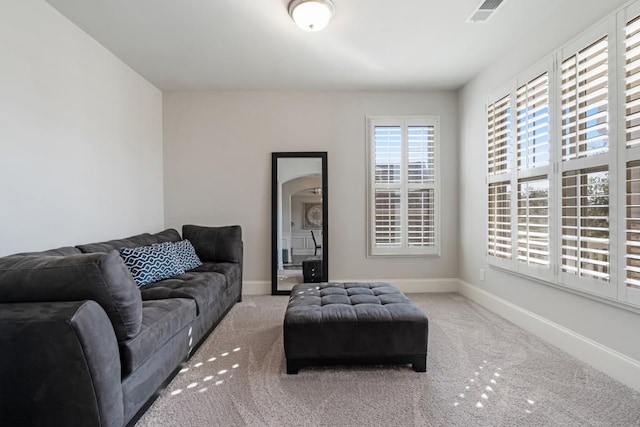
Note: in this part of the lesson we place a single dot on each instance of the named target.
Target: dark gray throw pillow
(101, 277)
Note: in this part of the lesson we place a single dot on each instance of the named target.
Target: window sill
(404, 255)
(571, 290)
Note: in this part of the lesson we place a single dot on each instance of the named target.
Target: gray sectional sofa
(82, 345)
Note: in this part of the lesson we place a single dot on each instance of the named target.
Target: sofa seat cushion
(145, 239)
(231, 271)
(161, 321)
(205, 288)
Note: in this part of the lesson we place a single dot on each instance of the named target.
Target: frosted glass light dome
(311, 15)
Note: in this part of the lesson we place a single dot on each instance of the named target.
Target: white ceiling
(254, 45)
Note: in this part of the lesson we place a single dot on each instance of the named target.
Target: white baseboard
(256, 287)
(615, 364)
(263, 287)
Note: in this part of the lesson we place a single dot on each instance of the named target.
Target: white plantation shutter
(633, 225)
(585, 258)
(421, 218)
(499, 220)
(388, 154)
(404, 186)
(387, 200)
(421, 180)
(533, 222)
(532, 141)
(421, 154)
(585, 223)
(632, 157)
(632, 82)
(499, 233)
(585, 102)
(388, 218)
(499, 128)
(533, 123)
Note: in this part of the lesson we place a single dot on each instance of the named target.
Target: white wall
(218, 169)
(80, 136)
(604, 324)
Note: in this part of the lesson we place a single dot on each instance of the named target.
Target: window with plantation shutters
(585, 101)
(566, 209)
(403, 197)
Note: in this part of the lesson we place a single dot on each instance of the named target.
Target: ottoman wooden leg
(292, 366)
(420, 363)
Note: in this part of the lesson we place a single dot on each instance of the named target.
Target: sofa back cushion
(145, 239)
(101, 277)
(168, 235)
(215, 244)
(64, 251)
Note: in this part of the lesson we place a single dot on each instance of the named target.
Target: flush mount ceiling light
(311, 15)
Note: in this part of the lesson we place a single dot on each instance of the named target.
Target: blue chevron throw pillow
(186, 254)
(150, 264)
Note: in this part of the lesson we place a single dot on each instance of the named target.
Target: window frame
(403, 122)
(514, 175)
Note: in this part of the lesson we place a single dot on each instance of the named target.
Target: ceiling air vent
(485, 10)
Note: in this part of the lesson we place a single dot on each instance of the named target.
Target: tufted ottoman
(353, 322)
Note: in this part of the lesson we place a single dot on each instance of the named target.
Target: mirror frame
(274, 214)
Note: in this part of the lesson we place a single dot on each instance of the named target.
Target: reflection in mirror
(299, 219)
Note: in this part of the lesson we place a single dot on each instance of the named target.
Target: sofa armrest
(101, 277)
(59, 365)
(215, 244)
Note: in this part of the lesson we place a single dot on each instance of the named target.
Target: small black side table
(312, 270)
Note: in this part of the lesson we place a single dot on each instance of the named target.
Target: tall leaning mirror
(299, 230)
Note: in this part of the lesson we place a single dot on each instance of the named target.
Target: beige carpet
(481, 371)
